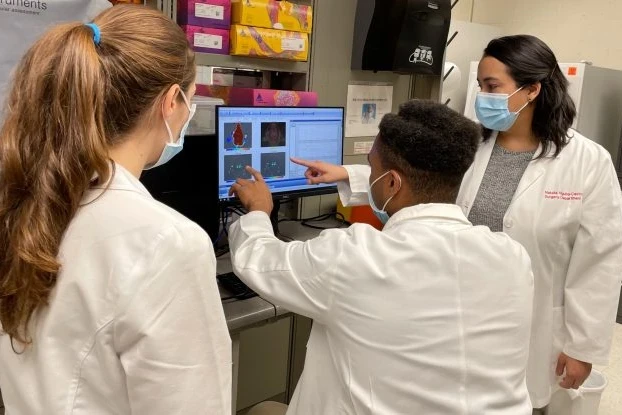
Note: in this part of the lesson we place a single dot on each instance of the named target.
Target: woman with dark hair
(556, 192)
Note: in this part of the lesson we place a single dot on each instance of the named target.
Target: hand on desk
(322, 172)
(253, 194)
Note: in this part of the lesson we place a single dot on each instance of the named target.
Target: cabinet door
(264, 360)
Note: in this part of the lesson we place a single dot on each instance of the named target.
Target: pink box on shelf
(204, 13)
(257, 97)
(271, 98)
(208, 39)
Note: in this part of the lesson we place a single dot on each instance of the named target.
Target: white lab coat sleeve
(294, 274)
(354, 191)
(592, 283)
(171, 334)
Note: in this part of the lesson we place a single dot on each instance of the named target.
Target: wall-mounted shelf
(259, 64)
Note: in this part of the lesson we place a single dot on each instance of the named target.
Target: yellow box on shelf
(272, 14)
(269, 43)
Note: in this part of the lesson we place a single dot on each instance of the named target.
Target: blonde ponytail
(71, 100)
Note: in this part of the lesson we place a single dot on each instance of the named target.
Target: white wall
(466, 47)
(462, 10)
(575, 29)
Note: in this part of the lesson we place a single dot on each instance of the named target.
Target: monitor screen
(266, 137)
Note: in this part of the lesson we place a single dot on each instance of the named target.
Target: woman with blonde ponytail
(108, 301)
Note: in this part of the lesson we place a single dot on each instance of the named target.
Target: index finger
(256, 175)
(302, 162)
(233, 190)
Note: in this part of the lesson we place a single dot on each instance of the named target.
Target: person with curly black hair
(557, 193)
(429, 315)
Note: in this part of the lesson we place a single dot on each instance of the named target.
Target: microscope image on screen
(235, 167)
(273, 134)
(266, 137)
(238, 136)
(272, 165)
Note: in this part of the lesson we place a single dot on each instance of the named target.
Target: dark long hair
(529, 61)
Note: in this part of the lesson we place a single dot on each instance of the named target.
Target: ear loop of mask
(399, 179)
(524, 106)
(168, 128)
(391, 197)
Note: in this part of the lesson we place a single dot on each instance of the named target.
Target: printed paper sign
(363, 147)
(367, 104)
(293, 44)
(203, 40)
(209, 11)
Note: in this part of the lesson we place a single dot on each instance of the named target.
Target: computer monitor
(189, 181)
(266, 137)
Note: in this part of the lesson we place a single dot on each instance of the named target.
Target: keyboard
(235, 286)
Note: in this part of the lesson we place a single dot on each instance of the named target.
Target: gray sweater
(500, 181)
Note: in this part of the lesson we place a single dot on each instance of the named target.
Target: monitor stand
(274, 219)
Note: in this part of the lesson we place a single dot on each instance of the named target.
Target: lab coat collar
(435, 212)
(121, 179)
(489, 144)
(124, 180)
(532, 173)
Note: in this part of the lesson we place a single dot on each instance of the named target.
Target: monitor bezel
(287, 195)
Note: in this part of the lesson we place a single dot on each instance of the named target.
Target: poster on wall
(367, 104)
(22, 22)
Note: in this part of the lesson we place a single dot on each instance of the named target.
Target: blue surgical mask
(381, 214)
(493, 112)
(174, 147)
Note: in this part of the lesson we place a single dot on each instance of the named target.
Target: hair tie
(97, 34)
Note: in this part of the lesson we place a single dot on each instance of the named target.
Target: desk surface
(241, 314)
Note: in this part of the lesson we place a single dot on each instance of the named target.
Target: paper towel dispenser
(405, 36)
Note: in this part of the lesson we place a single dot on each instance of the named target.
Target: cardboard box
(214, 91)
(204, 13)
(241, 78)
(269, 43)
(272, 14)
(272, 98)
(254, 97)
(204, 120)
(208, 39)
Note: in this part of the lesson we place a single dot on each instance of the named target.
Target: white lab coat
(135, 324)
(409, 320)
(567, 213)
(21, 26)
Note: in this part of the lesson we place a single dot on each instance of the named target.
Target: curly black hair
(529, 60)
(431, 145)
